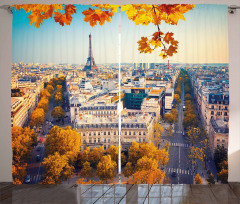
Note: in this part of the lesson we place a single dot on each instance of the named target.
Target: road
(178, 151)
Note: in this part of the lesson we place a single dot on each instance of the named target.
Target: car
(27, 179)
(38, 148)
(38, 157)
(174, 174)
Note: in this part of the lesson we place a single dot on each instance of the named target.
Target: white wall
(5, 75)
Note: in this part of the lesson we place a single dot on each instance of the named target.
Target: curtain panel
(106, 94)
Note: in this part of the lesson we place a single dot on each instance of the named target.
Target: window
(223, 139)
(125, 133)
(108, 133)
(217, 145)
(114, 132)
(225, 114)
(144, 133)
(140, 133)
(129, 132)
(95, 140)
(98, 133)
(90, 134)
(105, 140)
(104, 133)
(223, 145)
(134, 133)
(218, 139)
(212, 112)
(90, 140)
(143, 139)
(104, 147)
(98, 139)
(108, 139)
(84, 134)
(140, 140)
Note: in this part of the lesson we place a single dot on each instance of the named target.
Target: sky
(203, 38)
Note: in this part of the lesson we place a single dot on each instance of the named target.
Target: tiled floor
(111, 194)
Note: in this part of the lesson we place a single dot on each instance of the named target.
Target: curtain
(120, 94)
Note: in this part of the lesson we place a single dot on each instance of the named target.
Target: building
(218, 134)
(104, 132)
(19, 112)
(134, 97)
(169, 97)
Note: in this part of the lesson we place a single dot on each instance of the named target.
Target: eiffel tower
(90, 65)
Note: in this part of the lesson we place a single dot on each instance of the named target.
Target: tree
(56, 168)
(220, 155)
(113, 152)
(211, 179)
(196, 154)
(65, 141)
(128, 170)
(169, 131)
(198, 179)
(223, 174)
(177, 99)
(43, 103)
(148, 177)
(37, 117)
(58, 98)
(169, 118)
(95, 156)
(50, 88)
(138, 13)
(58, 112)
(192, 135)
(156, 134)
(22, 142)
(106, 168)
(45, 93)
(86, 170)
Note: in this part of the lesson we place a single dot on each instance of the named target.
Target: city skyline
(52, 43)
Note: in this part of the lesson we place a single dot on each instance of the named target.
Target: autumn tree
(198, 179)
(113, 152)
(211, 179)
(140, 14)
(45, 93)
(106, 168)
(49, 88)
(169, 131)
(22, 141)
(169, 118)
(87, 170)
(66, 141)
(58, 112)
(192, 135)
(95, 156)
(57, 168)
(128, 170)
(223, 174)
(43, 103)
(177, 99)
(220, 155)
(156, 134)
(37, 117)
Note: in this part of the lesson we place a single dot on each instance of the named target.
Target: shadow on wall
(234, 166)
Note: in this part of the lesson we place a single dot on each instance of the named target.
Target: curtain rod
(231, 9)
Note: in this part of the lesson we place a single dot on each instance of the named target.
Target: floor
(75, 194)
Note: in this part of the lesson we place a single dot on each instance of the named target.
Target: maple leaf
(36, 18)
(105, 12)
(60, 18)
(144, 46)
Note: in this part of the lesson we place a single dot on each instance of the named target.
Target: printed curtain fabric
(134, 94)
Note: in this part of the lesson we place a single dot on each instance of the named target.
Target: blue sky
(203, 38)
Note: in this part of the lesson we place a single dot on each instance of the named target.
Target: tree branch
(159, 36)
